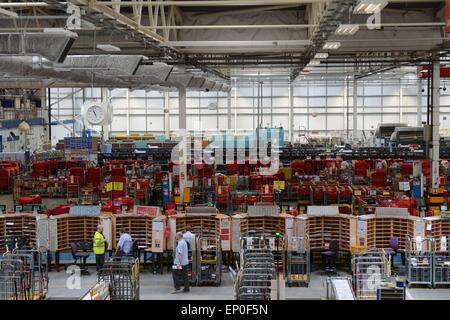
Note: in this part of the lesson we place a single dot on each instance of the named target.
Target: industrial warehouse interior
(225, 150)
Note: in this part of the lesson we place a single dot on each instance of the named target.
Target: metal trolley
(257, 270)
(23, 275)
(298, 262)
(419, 261)
(121, 274)
(209, 261)
(441, 262)
(368, 271)
(193, 259)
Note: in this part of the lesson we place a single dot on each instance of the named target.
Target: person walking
(99, 247)
(180, 265)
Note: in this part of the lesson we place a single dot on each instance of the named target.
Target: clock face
(95, 114)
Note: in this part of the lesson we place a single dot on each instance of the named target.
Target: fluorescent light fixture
(321, 55)
(8, 13)
(347, 29)
(314, 62)
(370, 6)
(108, 47)
(331, 45)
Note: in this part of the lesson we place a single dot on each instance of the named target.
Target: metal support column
(235, 106)
(105, 127)
(228, 111)
(291, 113)
(436, 79)
(355, 111)
(183, 134)
(166, 115)
(48, 116)
(419, 102)
(127, 96)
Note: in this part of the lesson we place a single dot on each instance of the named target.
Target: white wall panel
(375, 104)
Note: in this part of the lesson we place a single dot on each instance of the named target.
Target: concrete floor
(158, 287)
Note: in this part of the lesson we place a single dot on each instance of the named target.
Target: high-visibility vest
(98, 244)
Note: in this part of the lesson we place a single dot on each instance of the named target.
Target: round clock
(95, 114)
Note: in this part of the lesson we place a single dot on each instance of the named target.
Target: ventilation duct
(217, 87)
(208, 84)
(196, 82)
(107, 65)
(36, 67)
(52, 45)
(226, 88)
(183, 79)
(80, 71)
(160, 71)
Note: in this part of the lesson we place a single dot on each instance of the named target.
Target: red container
(332, 195)
(309, 167)
(118, 172)
(345, 194)
(238, 199)
(304, 192)
(159, 177)
(319, 165)
(379, 178)
(318, 195)
(406, 168)
(61, 209)
(232, 168)
(297, 166)
(93, 176)
(267, 198)
(222, 198)
(33, 199)
(361, 167)
(252, 200)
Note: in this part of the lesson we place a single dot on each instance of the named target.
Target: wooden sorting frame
(263, 226)
(321, 229)
(32, 226)
(68, 228)
(437, 227)
(203, 226)
(380, 229)
(139, 227)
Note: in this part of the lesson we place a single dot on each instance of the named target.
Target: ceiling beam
(122, 19)
(269, 43)
(243, 11)
(30, 4)
(208, 3)
(234, 3)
